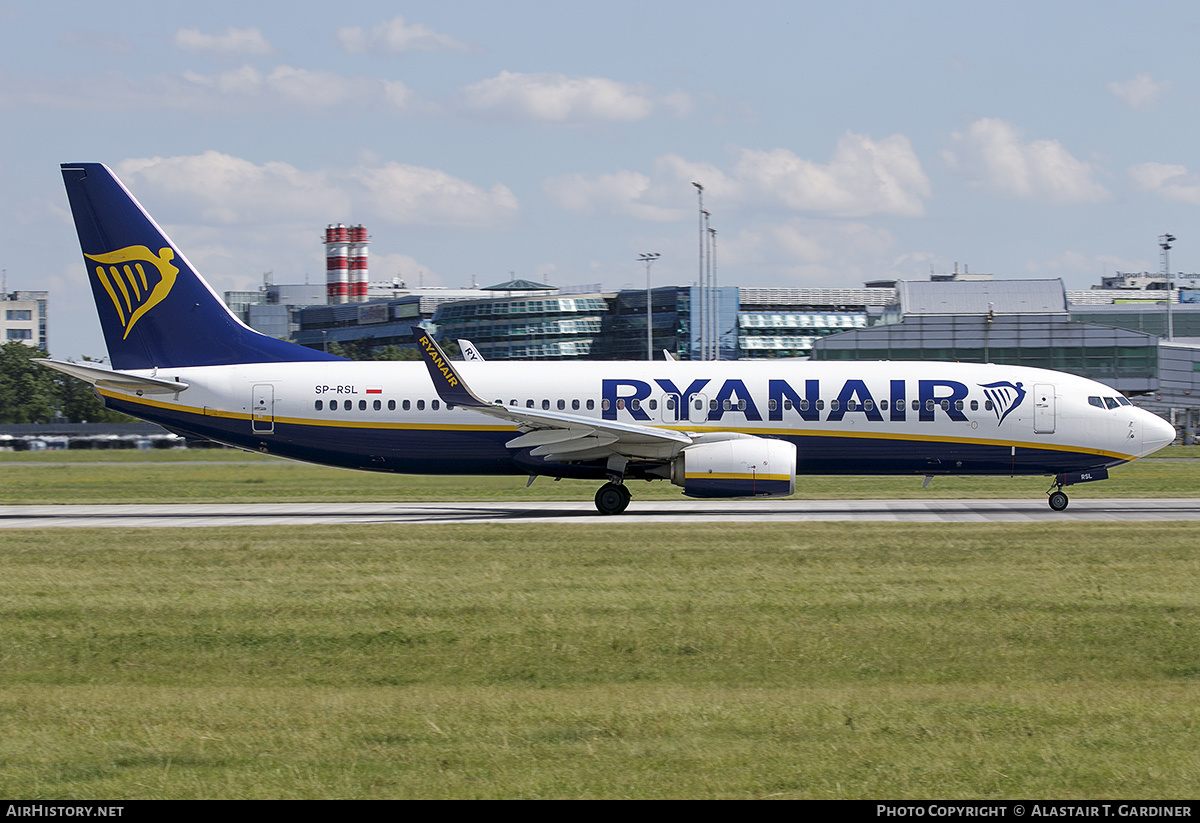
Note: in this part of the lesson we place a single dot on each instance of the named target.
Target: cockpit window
(1111, 402)
(1096, 401)
(1123, 401)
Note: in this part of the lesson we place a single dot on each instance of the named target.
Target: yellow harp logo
(123, 275)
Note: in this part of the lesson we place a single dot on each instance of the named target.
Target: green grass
(837, 660)
(216, 476)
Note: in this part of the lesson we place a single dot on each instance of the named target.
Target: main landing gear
(613, 498)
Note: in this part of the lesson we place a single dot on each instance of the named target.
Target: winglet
(450, 386)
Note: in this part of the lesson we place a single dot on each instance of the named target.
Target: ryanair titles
(710, 402)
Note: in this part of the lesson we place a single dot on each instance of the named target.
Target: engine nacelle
(736, 467)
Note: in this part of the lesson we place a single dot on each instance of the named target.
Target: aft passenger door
(1043, 408)
(262, 410)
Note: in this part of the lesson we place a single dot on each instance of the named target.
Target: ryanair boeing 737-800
(718, 429)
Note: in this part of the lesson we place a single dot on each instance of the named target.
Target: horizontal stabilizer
(109, 379)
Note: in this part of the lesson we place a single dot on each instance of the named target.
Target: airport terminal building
(1143, 341)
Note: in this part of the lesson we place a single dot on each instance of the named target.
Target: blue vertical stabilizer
(155, 310)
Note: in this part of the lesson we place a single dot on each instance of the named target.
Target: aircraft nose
(1156, 433)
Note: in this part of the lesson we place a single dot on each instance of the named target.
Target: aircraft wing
(554, 436)
(109, 379)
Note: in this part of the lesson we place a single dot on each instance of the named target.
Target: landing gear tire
(1058, 500)
(612, 498)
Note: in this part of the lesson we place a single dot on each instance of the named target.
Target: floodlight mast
(648, 258)
(1164, 242)
(700, 318)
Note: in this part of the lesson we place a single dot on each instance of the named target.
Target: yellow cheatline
(736, 476)
(366, 424)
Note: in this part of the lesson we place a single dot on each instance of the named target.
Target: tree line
(31, 393)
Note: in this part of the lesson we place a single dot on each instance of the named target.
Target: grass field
(833, 660)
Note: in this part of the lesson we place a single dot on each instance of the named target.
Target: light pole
(648, 258)
(716, 296)
(1164, 242)
(701, 318)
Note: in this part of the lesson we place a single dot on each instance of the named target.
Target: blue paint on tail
(155, 310)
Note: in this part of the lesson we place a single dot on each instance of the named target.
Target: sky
(556, 141)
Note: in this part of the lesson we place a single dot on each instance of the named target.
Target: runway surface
(1033, 510)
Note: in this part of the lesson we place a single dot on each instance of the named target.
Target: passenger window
(787, 404)
(620, 402)
(603, 404)
(987, 405)
(726, 405)
(883, 405)
(545, 405)
(635, 404)
(513, 402)
(958, 405)
(529, 404)
(699, 405)
(834, 405)
(591, 404)
(362, 405)
(916, 405)
(320, 405)
(653, 405)
(1111, 402)
(928, 405)
(562, 404)
(391, 405)
(333, 405)
(821, 405)
(712, 405)
(378, 405)
(772, 405)
(434, 405)
(869, 405)
(407, 405)
(420, 405)
(974, 405)
(1096, 401)
(574, 405)
(803, 404)
(851, 405)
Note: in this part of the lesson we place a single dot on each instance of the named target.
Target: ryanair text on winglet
(437, 360)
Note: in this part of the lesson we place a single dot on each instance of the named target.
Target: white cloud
(994, 153)
(292, 88)
(804, 252)
(414, 195)
(396, 37)
(1170, 181)
(232, 42)
(1139, 93)
(622, 192)
(557, 98)
(218, 189)
(863, 177)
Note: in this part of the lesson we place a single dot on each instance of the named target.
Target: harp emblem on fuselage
(1005, 397)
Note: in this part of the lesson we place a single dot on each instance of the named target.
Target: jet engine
(736, 466)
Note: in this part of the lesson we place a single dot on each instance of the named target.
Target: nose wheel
(1058, 500)
(612, 498)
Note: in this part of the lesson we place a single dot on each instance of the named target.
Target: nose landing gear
(1058, 498)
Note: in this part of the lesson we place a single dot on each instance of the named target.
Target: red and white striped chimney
(337, 264)
(358, 264)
